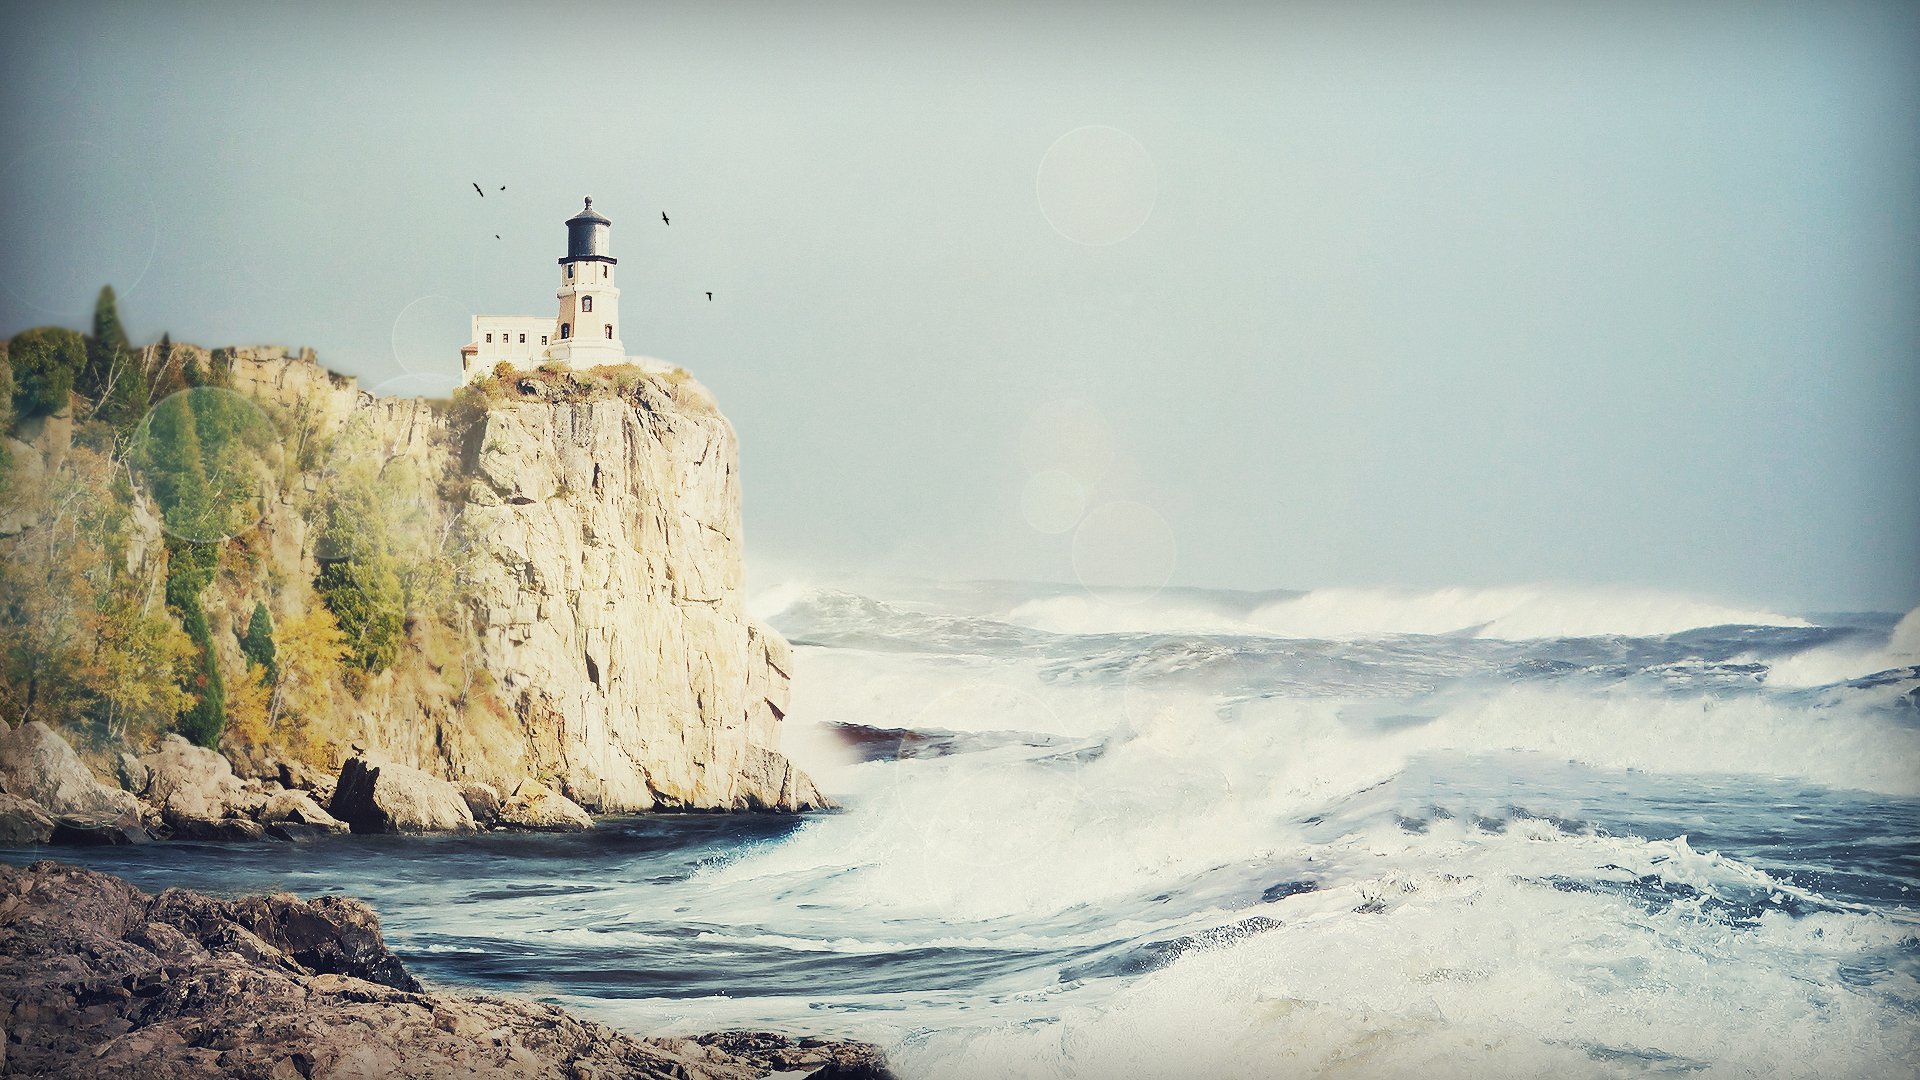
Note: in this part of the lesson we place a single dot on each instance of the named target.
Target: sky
(1274, 296)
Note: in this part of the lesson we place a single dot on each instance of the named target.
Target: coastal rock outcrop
(534, 805)
(374, 795)
(608, 592)
(23, 822)
(603, 642)
(37, 764)
(99, 981)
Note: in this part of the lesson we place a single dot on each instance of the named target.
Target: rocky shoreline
(48, 795)
(98, 979)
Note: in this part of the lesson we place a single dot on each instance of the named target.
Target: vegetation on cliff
(131, 481)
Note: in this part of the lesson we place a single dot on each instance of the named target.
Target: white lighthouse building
(585, 333)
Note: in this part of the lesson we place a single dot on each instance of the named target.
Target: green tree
(257, 643)
(368, 604)
(114, 377)
(45, 361)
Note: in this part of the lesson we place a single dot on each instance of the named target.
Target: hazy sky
(1408, 295)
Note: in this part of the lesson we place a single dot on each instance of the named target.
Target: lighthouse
(586, 330)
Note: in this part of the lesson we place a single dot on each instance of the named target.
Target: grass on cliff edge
(607, 382)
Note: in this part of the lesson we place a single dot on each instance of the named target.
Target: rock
(293, 832)
(23, 822)
(483, 802)
(534, 805)
(300, 777)
(374, 795)
(37, 764)
(105, 983)
(133, 775)
(298, 808)
(606, 583)
(232, 828)
(194, 788)
(103, 831)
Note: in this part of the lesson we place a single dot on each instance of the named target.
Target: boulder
(483, 802)
(299, 776)
(534, 805)
(298, 808)
(132, 774)
(374, 795)
(37, 764)
(98, 831)
(106, 983)
(23, 822)
(193, 787)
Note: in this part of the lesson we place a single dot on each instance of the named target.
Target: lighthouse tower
(585, 334)
(589, 325)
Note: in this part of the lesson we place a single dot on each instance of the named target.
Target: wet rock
(232, 828)
(374, 795)
(534, 805)
(37, 764)
(98, 831)
(23, 822)
(102, 982)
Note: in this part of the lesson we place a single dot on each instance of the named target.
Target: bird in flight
(476, 188)
(663, 218)
(709, 294)
(503, 187)
(496, 236)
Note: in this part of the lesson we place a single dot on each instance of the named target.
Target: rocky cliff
(575, 607)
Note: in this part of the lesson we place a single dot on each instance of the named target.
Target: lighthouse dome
(588, 236)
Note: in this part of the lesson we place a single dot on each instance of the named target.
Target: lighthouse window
(603, 271)
(569, 270)
(523, 339)
(489, 339)
(609, 331)
(586, 303)
(565, 331)
(543, 339)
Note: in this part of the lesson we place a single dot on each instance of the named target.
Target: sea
(1493, 832)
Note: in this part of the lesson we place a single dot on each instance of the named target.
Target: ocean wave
(1508, 613)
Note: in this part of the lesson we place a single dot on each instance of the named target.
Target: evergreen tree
(45, 361)
(257, 643)
(114, 377)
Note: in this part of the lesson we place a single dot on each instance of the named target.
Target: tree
(311, 652)
(114, 377)
(45, 361)
(257, 643)
(367, 602)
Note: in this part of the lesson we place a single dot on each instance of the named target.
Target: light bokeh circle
(77, 220)
(428, 333)
(1069, 435)
(204, 456)
(1124, 551)
(1097, 185)
(1053, 501)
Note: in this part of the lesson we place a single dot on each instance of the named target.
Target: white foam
(1839, 663)
(1513, 612)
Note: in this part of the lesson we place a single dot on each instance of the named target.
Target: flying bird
(663, 218)
(496, 236)
(503, 187)
(476, 187)
(709, 294)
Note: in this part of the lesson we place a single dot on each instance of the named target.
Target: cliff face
(606, 588)
(602, 640)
